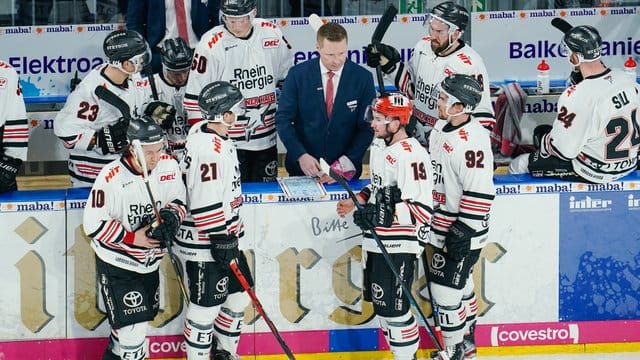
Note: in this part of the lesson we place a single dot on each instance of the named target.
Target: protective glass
(563, 49)
(370, 115)
(140, 60)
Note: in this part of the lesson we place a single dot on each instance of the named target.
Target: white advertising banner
(47, 57)
(513, 42)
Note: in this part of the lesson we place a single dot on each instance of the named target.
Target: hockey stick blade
(114, 100)
(315, 22)
(245, 285)
(385, 254)
(385, 20)
(561, 24)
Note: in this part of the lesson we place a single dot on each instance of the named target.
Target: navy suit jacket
(148, 18)
(302, 121)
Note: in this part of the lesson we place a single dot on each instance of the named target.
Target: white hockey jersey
(598, 127)
(407, 165)
(463, 180)
(84, 113)
(254, 65)
(215, 195)
(13, 115)
(420, 78)
(119, 204)
(177, 135)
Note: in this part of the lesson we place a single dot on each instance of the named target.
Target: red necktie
(328, 96)
(181, 20)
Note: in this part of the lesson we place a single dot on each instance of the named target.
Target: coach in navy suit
(149, 18)
(303, 123)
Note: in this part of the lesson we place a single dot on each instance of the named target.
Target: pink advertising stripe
(425, 340)
(161, 347)
(57, 349)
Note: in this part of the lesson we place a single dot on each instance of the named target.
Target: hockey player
(253, 55)
(118, 218)
(463, 193)
(92, 130)
(14, 128)
(595, 135)
(210, 242)
(176, 57)
(397, 205)
(439, 54)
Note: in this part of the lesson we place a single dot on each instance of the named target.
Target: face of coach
(333, 54)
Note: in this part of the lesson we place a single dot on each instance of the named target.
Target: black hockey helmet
(122, 45)
(176, 54)
(463, 89)
(218, 98)
(454, 15)
(237, 7)
(584, 40)
(146, 130)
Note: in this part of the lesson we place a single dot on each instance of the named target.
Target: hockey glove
(162, 113)
(458, 240)
(168, 228)
(575, 77)
(384, 55)
(111, 139)
(538, 133)
(224, 248)
(386, 200)
(8, 170)
(365, 218)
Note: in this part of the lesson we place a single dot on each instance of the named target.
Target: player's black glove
(162, 113)
(224, 248)
(384, 55)
(8, 170)
(382, 212)
(458, 240)
(111, 139)
(168, 228)
(538, 133)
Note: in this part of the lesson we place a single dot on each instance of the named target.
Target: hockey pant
(401, 333)
(199, 329)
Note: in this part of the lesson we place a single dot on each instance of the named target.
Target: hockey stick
(245, 285)
(385, 21)
(561, 24)
(137, 148)
(152, 81)
(343, 182)
(315, 22)
(114, 100)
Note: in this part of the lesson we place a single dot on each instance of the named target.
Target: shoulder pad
(5, 65)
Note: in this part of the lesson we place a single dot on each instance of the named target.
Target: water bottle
(542, 84)
(630, 68)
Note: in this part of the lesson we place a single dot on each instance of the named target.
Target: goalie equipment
(9, 167)
(393, 105)
(458, 240)
(111, 139)
(463, 89)
(456, 16)
(236, 8)
(162, 113)
(122, 45)
(145, 130)
(218, 98)
(176, 55)
(585, 41)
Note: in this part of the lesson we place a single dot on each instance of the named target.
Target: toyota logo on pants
(132, 299)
